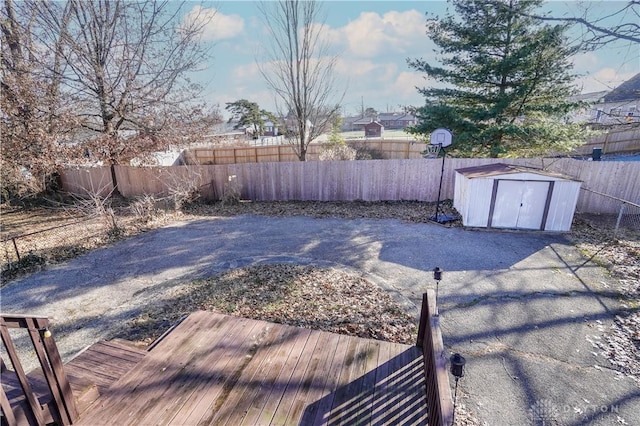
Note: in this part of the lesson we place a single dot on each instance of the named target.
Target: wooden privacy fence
(613, 141)
(367, 180)
(389, 148)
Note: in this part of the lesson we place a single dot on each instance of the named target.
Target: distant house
(396, 120)
(362, 121)
(289, 127)
(389, 120)
(373, 130)
(610, 108)
(270, 129)
(348, 124)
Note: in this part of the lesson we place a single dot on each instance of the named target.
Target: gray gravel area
(524, 308)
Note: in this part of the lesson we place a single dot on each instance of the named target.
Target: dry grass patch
(620, 254)
(318, 298)
(410, 211)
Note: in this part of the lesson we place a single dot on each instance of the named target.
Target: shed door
(520, 204)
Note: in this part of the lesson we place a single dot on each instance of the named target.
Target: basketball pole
(440, 138)
(444, 154)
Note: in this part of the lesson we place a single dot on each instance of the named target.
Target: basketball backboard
(442, 137)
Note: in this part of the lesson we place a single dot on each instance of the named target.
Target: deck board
(221, 371)
(209, 374)
(278, 389)
(311, 385)
(254, 368)
(163, 371)
(216, 369)
(296, 382)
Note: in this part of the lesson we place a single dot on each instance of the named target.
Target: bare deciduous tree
(33, 118)
(300, 70)
(127, 65)
(622, 23)
(118, 69)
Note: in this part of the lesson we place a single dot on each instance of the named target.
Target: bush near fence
(367, 180)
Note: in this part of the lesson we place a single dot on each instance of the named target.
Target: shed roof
(497, 169)
(363, 120)
(374, 124)
(627, 91)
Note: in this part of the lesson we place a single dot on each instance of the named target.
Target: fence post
(615, 231)
(15, 246)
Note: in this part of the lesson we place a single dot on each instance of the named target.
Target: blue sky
(373, 40)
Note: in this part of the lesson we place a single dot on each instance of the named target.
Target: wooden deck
(90, 375)
(219, 370)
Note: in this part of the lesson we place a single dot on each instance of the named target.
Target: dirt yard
(74, 234)
(283, 293)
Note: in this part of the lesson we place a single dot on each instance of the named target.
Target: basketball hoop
(432, 151)
(440, 139)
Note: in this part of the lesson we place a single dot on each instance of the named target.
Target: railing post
(424, 321)
(35, 409)
(53, 370)
(438, 390)
(7, 412)
(64, 410)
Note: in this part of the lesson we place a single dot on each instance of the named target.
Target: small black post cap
(457, 365)
(437, 273)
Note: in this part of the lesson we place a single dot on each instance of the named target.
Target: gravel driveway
(523, 308)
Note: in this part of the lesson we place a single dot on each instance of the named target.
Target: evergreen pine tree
(506, 81)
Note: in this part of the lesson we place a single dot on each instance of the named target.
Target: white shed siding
(562, 206)
(460, 199)
(480, 191)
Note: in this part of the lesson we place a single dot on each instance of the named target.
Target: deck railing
(439, 402)
(62, 409)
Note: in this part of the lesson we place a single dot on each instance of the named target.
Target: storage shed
(515, 197)
(373, 130)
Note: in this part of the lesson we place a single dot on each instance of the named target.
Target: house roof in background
(395, 116)
(627, 91)
(595, 97)
(363, 120)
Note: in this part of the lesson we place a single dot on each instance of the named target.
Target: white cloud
(245, 72)
(404, 86)
(218, 25)
(328, 35)
(585, 60)
(380, 85)
(603, 79)
(364, 70)
(371, 35)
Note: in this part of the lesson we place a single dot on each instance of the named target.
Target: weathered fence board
(87, 180)
(390, 149)
(367, 180)
(613, 141)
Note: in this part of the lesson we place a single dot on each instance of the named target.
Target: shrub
(337, 152)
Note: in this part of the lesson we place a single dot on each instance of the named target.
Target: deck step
(90, 374)
(84, 391)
